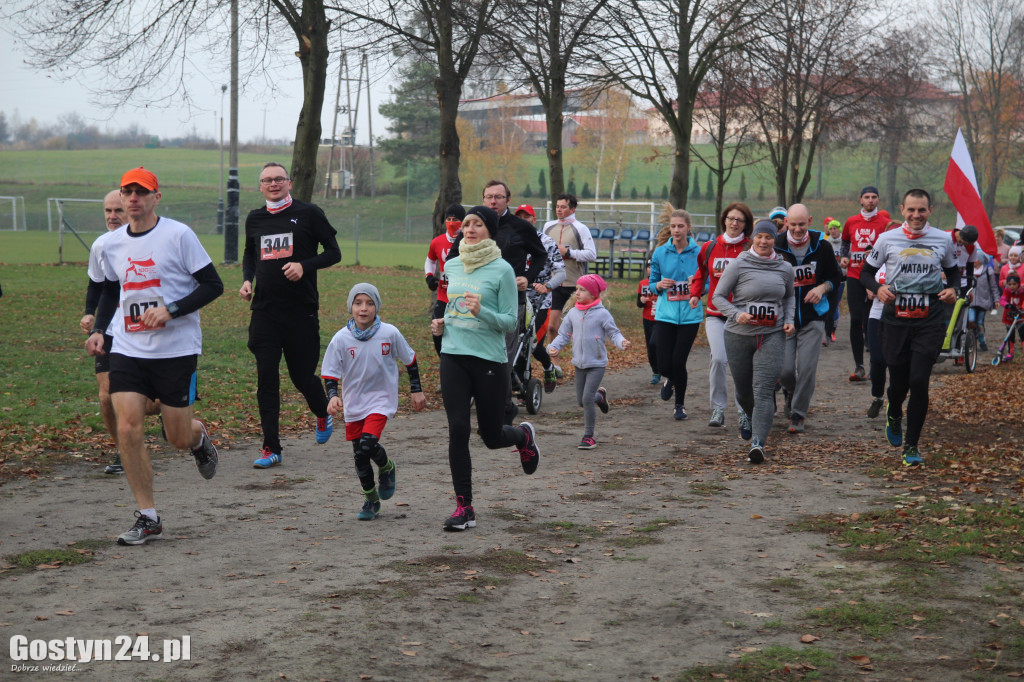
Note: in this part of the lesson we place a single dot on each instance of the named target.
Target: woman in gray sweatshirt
(755, 294)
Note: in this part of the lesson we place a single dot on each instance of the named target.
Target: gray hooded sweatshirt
(761, 287)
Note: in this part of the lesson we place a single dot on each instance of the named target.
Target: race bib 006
(803, 275)
(764, 314)
(134, 308)
(274, 246)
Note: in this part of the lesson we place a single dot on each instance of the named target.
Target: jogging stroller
(1006, 339)
(961, 341)
(524, 385)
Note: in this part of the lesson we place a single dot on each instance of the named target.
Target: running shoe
(1008, 357)
(388, 481)
(587, 443)
(745, 430)
(788, 409)
(875, 408)
(680, 413)
(893, 428)
(717, 417)
(756, 454)
(859, 374)
(462, 518)
(833, 337)
(912, 456)
(666, 390)
(369, 511)
(796, 424)
(655, 379)
(550, 380)
(268, 458)
(206, 455)
(558, 372)
(145, 529)
(324, 429)
(529, 454)
(982, 345)
(602, 400)
(115, 466)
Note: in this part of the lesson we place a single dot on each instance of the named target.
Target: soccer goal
(17, 221)
(74, 216)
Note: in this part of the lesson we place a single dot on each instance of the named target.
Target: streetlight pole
(231, 214)
(220, 200)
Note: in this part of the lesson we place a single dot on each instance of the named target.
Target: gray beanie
(766, 226)
(364, 288)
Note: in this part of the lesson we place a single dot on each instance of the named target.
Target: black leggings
(912, 377)
(857, 299)
(652, 348)
(465, 377)
(438, 312)
(540, 351)
(877, 368)
(674, 342)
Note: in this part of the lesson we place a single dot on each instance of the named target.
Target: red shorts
(373, 424)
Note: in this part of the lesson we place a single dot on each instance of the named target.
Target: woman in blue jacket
(676, 318)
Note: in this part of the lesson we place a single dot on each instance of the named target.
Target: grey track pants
(587, 382)
(755, 363)
(801, 365)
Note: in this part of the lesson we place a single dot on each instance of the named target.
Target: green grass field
(49, 404)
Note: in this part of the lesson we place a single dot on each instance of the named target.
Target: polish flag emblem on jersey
(385, 348)
(140, 274)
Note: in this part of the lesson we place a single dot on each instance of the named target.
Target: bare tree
(984, 45)
(545, 37)
(807, 84)
(447, 32)
(660, 52)
(146, 48)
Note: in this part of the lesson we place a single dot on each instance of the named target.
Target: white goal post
(55, 209)
(17, 218)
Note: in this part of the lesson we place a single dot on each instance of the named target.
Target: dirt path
(658, 551)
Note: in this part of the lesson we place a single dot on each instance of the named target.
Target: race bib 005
(134, 308)
(912, 306)
(764, 314)
(274, 246)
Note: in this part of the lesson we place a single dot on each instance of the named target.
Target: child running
(647, 299)
(587, 326)
(1012, 302)
(362, 357)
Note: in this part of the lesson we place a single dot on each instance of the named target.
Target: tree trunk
(313, 54)
(556, 170)
(449, 89)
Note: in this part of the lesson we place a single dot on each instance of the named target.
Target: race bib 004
(764, 314)
(274, 246)
(134, 308)
(912, 306)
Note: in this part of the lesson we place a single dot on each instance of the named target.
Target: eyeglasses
(273, 181)
(140, 192)
(491, 197)
(731, 219)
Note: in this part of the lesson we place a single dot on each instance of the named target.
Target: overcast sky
(35, 94)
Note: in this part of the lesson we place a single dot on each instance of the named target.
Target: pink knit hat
(595, 284)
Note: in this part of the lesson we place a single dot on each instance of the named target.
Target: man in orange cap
(157, 277)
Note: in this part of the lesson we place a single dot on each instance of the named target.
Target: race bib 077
(134, 308)
(274, 246)
(764, 314)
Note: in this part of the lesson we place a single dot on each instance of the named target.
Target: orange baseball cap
(526, 208)
(140, 176)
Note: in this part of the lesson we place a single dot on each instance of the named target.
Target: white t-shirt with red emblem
(367, 370)
(154, 268)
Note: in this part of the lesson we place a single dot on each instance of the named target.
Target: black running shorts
(172, 381)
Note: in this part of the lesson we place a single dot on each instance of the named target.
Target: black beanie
(487, 215)
(455, 211)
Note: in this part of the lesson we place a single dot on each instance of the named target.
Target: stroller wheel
(534, 394)
(996, 360)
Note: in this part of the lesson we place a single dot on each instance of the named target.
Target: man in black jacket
(816, 274)
(282, 240)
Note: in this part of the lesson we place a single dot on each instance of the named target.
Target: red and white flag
(961, 187)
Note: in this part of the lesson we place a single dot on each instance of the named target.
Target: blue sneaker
(756, 454)
(387, 485)
(267, 459)
(369, 510)
(680, 413)
(666, 390)
(746, 432)
(893, 428)
(655, 379)
(324, 429)
(912, 456)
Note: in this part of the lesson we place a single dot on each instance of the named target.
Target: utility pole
(369, 128)
(231, 216)
(334, 128)
(351, 130)
(220, 200)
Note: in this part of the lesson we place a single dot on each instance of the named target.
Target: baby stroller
(961, 341)
(524, 384)
(1006, 339)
